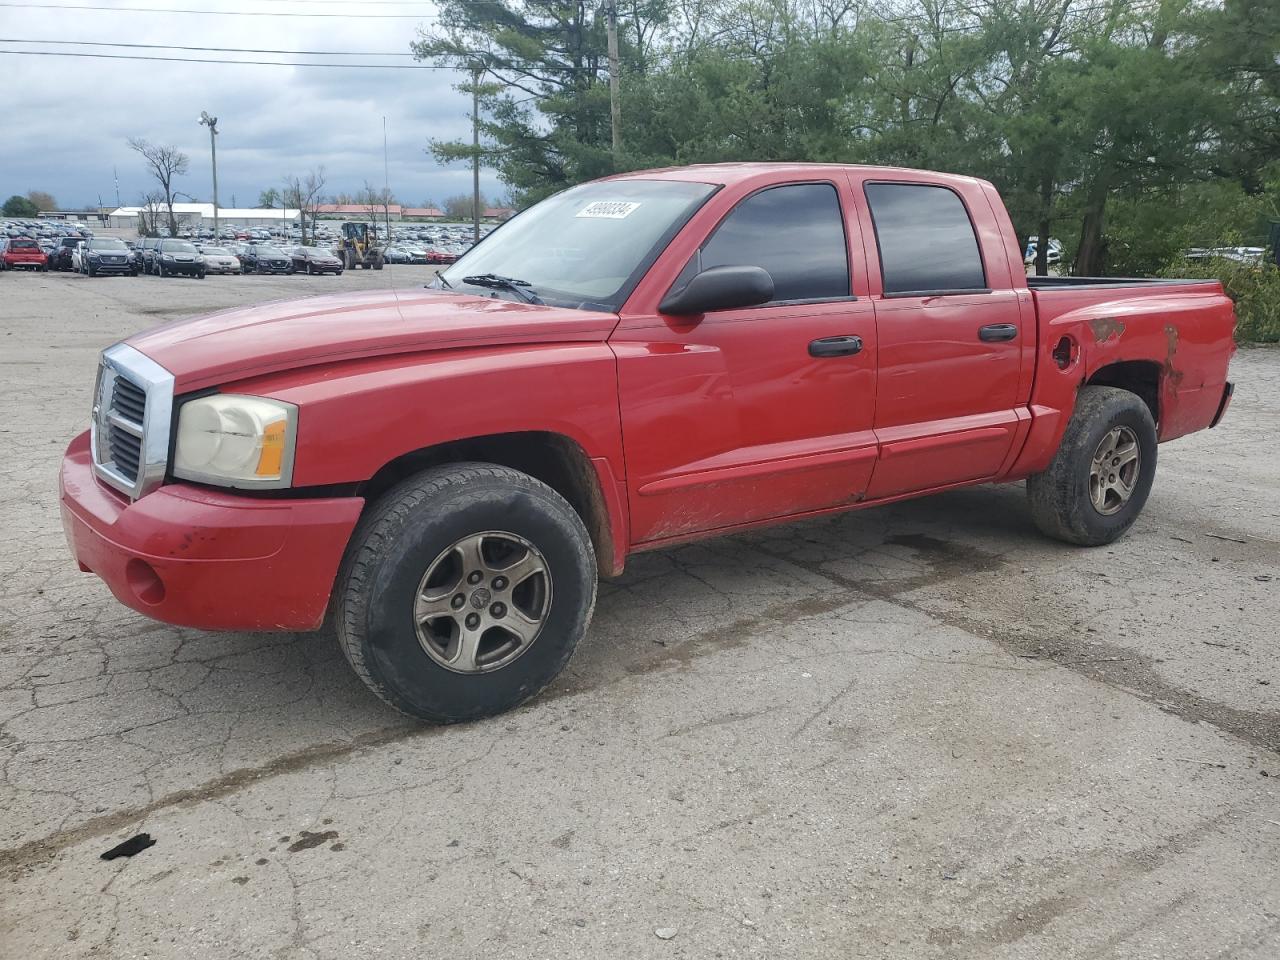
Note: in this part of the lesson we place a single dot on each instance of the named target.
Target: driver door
(752, 413)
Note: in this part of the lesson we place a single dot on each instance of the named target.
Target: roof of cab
(730, 173)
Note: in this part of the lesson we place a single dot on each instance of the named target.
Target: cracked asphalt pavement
(914, 732)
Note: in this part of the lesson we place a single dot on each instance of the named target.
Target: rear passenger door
(950, 329)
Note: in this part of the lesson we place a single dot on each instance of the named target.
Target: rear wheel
(1101, 476)
(464, 592)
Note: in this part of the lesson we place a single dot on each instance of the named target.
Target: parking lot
(913, 732)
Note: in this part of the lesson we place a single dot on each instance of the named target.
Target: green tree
(538, 67)
(269, 199)
(19, 206)
(1129, 129)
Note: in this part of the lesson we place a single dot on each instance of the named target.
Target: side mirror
(721, 288)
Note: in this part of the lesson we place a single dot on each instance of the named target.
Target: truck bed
(1077, 283)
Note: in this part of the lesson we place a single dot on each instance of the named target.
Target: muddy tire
(464, 592)
(1101, 476)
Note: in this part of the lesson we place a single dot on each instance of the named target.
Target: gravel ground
(915, 732)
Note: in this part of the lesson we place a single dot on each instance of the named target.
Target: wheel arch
(557, 460)
(1142, 377)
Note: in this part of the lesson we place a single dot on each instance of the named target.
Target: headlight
(236, 441)
(167, 256)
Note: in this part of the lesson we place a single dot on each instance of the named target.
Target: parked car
(178, 258)
(692, 354)
(60, 259)
(315, 260)
(146, 254)
(101, 255)
(1053, 257)
(220, 260)
(264, 258)
(439, 255)
(1253, 255)
(22, 253)
(396, 255)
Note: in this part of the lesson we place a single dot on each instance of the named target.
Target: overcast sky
(64, 120)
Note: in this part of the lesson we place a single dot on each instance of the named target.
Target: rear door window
(926, 240)
(796, 232)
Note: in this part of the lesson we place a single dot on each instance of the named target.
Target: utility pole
(615, 109)
(212, 124)
(386, 184)
(475, 155)
(116, 177)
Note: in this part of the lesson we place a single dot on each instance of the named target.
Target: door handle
(835, 347)
(997, 332)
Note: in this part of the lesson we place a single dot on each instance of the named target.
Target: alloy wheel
(1113, 473)
(482, 602)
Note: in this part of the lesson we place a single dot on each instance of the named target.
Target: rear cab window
(926, 241)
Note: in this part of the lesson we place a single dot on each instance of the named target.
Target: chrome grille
(128, 400)
(130, 428)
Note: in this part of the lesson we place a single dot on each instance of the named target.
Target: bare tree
(166, 163)
(460, 206)
(149, 214)
(42, 200)
(378, 201)
(305, 195)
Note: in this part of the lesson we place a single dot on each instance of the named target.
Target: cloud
(66, 120)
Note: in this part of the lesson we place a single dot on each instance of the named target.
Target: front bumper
(187, 268)
(203, 558)
(113, 267)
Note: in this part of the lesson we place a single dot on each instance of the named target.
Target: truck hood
(287, 334)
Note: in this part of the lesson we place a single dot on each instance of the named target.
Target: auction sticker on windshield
(608, 209)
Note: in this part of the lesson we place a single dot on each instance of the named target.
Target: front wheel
(1100, 478)
(464, 592)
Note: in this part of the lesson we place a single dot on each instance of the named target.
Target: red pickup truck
(636, 362)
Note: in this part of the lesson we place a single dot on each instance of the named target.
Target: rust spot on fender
(1172, 373)
(1104, 328)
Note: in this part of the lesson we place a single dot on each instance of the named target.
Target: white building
(198, 215)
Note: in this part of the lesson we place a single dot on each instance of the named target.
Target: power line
(246, 63)
(218, 13)
(169, 46)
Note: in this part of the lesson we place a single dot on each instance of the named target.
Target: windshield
(177, 246)
(585, 246)
(216, 252)
(107, 243)
(269, 252)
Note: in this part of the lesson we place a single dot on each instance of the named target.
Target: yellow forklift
(359, 247)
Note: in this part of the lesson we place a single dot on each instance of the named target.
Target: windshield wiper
(505, 283)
